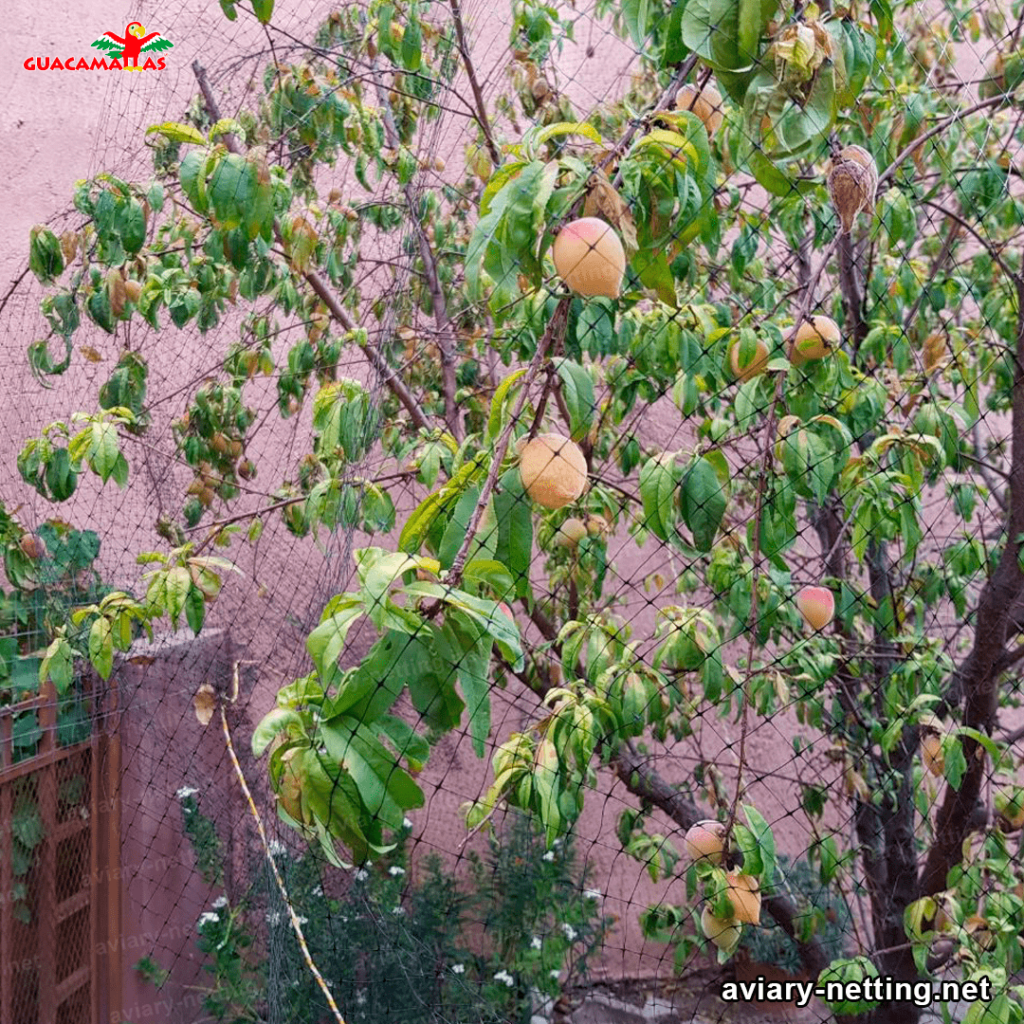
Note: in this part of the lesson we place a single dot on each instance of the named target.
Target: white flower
(505, 977)
(185, 792)
(208, 918)
(458, 968)
(556, 842)
(535, 942)
(396, 871)
(406, 823)
(570, 932)
(219, 902)
(318, 890)
(591, 894)
(360, 997)
(276, 848)
(361, 875)
(555, 974)
(398, 910)
(549, 856)
(273, 917)
(302, 920)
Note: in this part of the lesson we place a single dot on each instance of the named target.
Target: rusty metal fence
(58, 839)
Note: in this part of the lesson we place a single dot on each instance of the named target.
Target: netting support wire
(292, 916)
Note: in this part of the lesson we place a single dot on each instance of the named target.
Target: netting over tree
(504, 503)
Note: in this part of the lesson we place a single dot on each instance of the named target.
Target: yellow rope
(296, 926)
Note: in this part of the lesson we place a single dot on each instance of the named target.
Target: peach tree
(798, 235)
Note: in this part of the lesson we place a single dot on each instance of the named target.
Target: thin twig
(292, 916)
(445, 337)
(932, 132)
(478, 96)
(14, 287)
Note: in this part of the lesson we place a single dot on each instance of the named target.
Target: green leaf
(58, 665)
(178, 584)
(226, 126)
(482, 611)
(552, 131)
(675, 50)
(407, 742)
(659, 479)
(472, 653)
(232, 189)
(578, 392)
(762, 833)
(955, 762)
(103, 449)
(412, 41)
(195, 609)
(496, 418)
(515, 529)
(271, 725)
(178, 132)
(101, 647)
(385, 788)
(702, 502)
(133, 227)
(263, 9)
(325, 643)
(458, 526)
(46, 260)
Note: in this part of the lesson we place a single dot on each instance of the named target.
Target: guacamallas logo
(123, 54)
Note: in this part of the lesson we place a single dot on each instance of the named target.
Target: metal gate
(59, 833)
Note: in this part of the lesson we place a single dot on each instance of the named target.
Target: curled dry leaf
(604, 202)
(934, 351)
(116, 292)
(852, 183)
(205, 703)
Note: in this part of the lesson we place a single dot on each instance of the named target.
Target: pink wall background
(57, 127)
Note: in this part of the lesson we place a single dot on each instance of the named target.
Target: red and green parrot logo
(134, 43)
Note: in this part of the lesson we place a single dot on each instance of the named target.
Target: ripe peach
(816, 605)
(745, 895)
(814, 339)
(724, 933)
(706, 103)
(570, 533)
(589, 258)
(755, 363)
(553, 470)
(705, 841)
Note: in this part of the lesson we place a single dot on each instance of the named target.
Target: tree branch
(976, 680)
(445, 337)
(386, 373)
(478, 96)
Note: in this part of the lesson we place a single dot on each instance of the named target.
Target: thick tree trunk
(976, 681)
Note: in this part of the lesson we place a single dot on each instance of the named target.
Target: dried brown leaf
(205, 703)
(605, 202)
